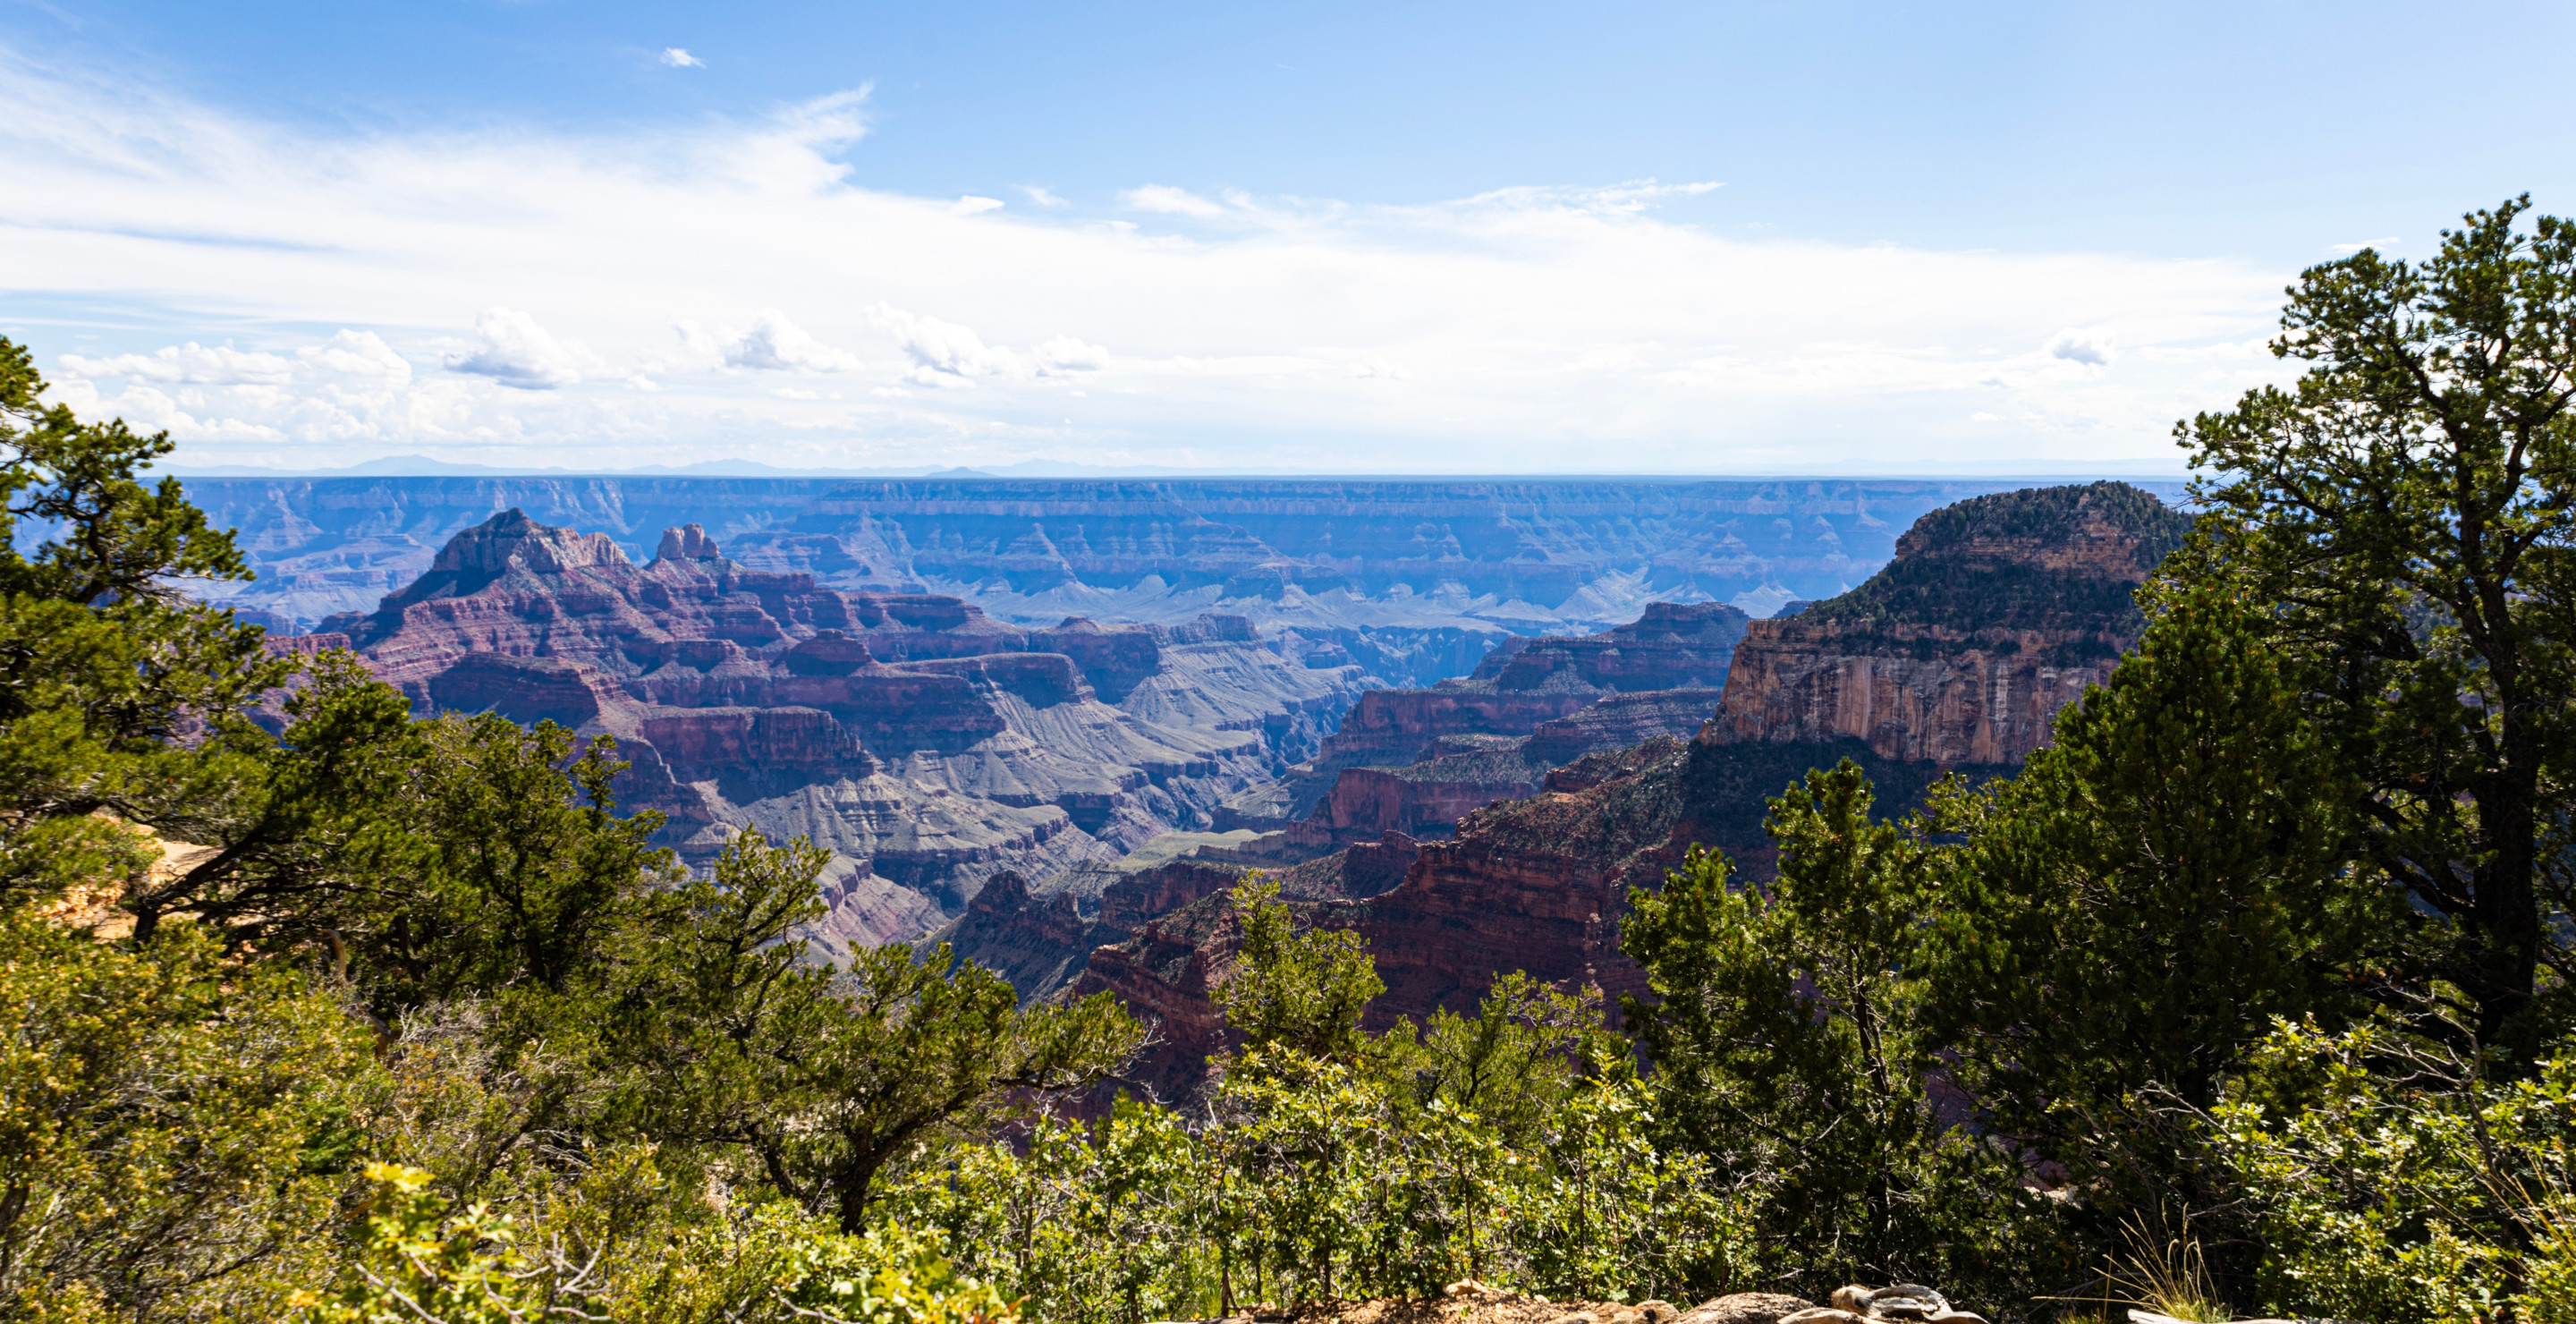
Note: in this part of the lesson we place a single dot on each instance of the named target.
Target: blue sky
(1350, 237)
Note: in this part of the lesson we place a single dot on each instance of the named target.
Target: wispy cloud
(1169, 201)
(2347, 250)
(516, 293)
(676, 58)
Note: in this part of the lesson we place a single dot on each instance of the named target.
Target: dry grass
(2162, 1270)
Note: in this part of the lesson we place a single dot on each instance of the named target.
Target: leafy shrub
(2395, 1184)
(419, 1260)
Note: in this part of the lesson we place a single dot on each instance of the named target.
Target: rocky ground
(1472, 1302)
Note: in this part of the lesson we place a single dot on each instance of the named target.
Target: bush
(2395, 1184)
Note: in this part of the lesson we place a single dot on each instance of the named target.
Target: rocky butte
(1995, 613)
(927, 746)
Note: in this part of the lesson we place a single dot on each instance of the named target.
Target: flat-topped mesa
(1996, 613)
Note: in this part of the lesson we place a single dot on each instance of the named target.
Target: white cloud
(2347, 250)
(1064, 355)
(361, 354)
(191, 362)
(971, 205)
(779, 345)
(1169, 201)
(518, 352)
(677, 58)
(1541, 328)
(944, 353)
(2083, 344)
(1042, 196)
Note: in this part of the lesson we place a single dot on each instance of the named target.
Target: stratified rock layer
(1410, 580)
(925, 745)
(1539, 883)
(1411, 760)
(1996, 613)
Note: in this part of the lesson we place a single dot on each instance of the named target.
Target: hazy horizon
(1643, 238)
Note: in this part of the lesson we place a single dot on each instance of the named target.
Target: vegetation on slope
(1965, 569)
(2265, 962)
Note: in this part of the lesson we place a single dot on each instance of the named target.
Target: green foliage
(1788, 1029)
(1512, 1065)
(908, 1047)
(117, 696)
(418, 1260)
(502, 866)
(169, 1119)
(2407, 508)
(1300, 989)
(1513, 1147)
(1312, 1180)
(2393, 1183)
(2132, 911)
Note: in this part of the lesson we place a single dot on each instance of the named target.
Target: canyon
(1070, 799)
(1414, 580)
(925, 745)
(1994, 614)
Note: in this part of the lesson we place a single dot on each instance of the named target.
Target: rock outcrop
(1539, 883)
(1413, 760)
(1995, 613)
(926, 745)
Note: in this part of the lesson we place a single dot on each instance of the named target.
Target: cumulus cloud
(944, 353)
(1529, 328)
(775, 344)
(677, 58)
(192, 363)
(2082, 344)
(516, 351)
(357, 354)
(347, 387)
(1063, 356)
(971, 205)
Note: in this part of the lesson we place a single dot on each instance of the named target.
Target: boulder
(1745, 1308)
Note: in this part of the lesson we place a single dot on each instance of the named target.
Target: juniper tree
(2408, 505)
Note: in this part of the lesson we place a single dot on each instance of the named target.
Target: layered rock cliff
(1522, 688)
(926, 745)
(1996, 613)
(2011, 593)
(1412, 579)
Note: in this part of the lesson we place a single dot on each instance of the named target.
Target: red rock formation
(1996, 613)
(925, 744)
(1983, 701)
(1673, 645)
(1539, 883)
